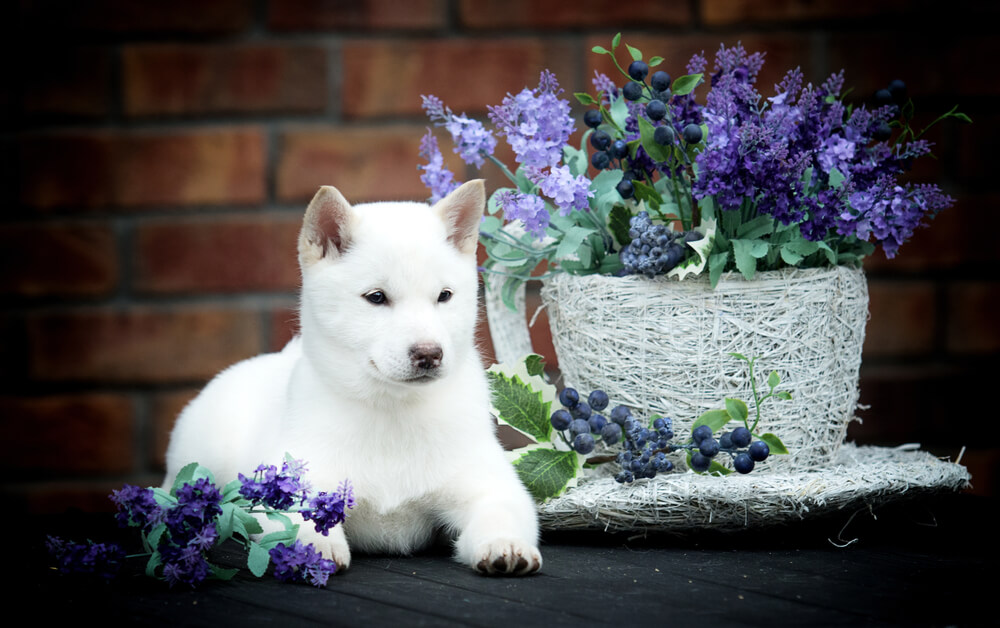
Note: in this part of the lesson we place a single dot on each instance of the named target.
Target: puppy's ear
(462, 212)
(326, 228)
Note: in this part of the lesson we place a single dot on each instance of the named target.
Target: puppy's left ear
(462, 212)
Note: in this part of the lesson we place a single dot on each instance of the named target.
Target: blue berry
(656, 110)
(759, 450)
(624, 477)
(600, 160)
(883, 97)
(581, 411)
(619, 149)
(700, 462)
(741, 437)
(579, 426)
(726, 440)
(583, 443)
(882, 132)
(561, 419)
(600, 140)
(569, 397)
(692, 133)
(619, 414)
(638, 69)
(611, 433)
(663, 135)
(743, 463)
(700, 433)
(597, 423)
(598, 400)
(593, 118)
(626, 189)
(660, 81)
(709, 447)
(632, 91)
(897, 89)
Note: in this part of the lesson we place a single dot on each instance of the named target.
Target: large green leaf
(547, 472)
(520, 406)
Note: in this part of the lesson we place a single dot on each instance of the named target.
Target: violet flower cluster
(799, 178)
(180, 528)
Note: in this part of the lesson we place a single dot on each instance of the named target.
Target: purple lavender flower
(528, 208)
(569, 192)
(136, 507)
(329, 509)
(605, 87)
(277, 489)
(473, 142)
(101, 559)
(191, 531)
(536, 123)
(301, 563)
(436, 177)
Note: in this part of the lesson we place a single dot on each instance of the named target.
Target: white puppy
(384, 387)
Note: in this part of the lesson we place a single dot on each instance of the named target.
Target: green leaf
(658, 152)
(773, 443)
(571, 242)
(715, 419)
(737, 409)
(535, 364)
(647, 193)
(773, 380)
(586, 99)
(286, 537)
(756, 228)
(490, 224)
(220, 573)
(547, 472)
(258, 559)
(520, 406)
(746, 253)
(783, 394)
(655, 61)
(739, 356)
(635, 52)
(837, 179)
(716, 265)
(618, 223)
(601, 50)
(684, 85)
(616, 40)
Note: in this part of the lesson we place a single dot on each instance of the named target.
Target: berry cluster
(644, 449)
(739, 444)
(651, 101)
(583, 421)
(655, 248)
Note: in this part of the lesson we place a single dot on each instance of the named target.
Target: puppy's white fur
(390, 396)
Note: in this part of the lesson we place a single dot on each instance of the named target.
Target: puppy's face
(392, 287)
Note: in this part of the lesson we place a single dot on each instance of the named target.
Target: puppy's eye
(376, 297)
(445, 296)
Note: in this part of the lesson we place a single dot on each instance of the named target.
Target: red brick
(972, 317)
(387, 77)
(561, 15)
(903, 318)
(364, 163)
(57, 260)
(255, 253)
(87, 433)
(165, 407)
(205, 79)
(352, 15)
(126, 16)
(135, 169)
(784, 51)
(741, 12)
(140, 345)
(70, 81)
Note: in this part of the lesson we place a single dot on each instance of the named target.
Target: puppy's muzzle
(426, 357)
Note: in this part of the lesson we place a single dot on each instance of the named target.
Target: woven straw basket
(661, 346)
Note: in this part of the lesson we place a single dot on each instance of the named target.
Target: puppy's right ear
(326, 228)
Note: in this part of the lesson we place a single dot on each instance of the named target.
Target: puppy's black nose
(426, 357)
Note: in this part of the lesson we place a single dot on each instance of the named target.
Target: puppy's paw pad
(508, 558)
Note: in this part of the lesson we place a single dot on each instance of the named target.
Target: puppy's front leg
(498, 534)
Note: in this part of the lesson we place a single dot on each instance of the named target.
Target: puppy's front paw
(333, 547)
(507, 557)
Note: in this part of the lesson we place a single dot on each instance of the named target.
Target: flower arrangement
(738, 182)
(180, 526)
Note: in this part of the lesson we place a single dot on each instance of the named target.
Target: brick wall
(157, 157)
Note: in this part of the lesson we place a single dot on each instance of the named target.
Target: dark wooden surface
(924, 562)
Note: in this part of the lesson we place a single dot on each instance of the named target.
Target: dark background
(156, 158)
